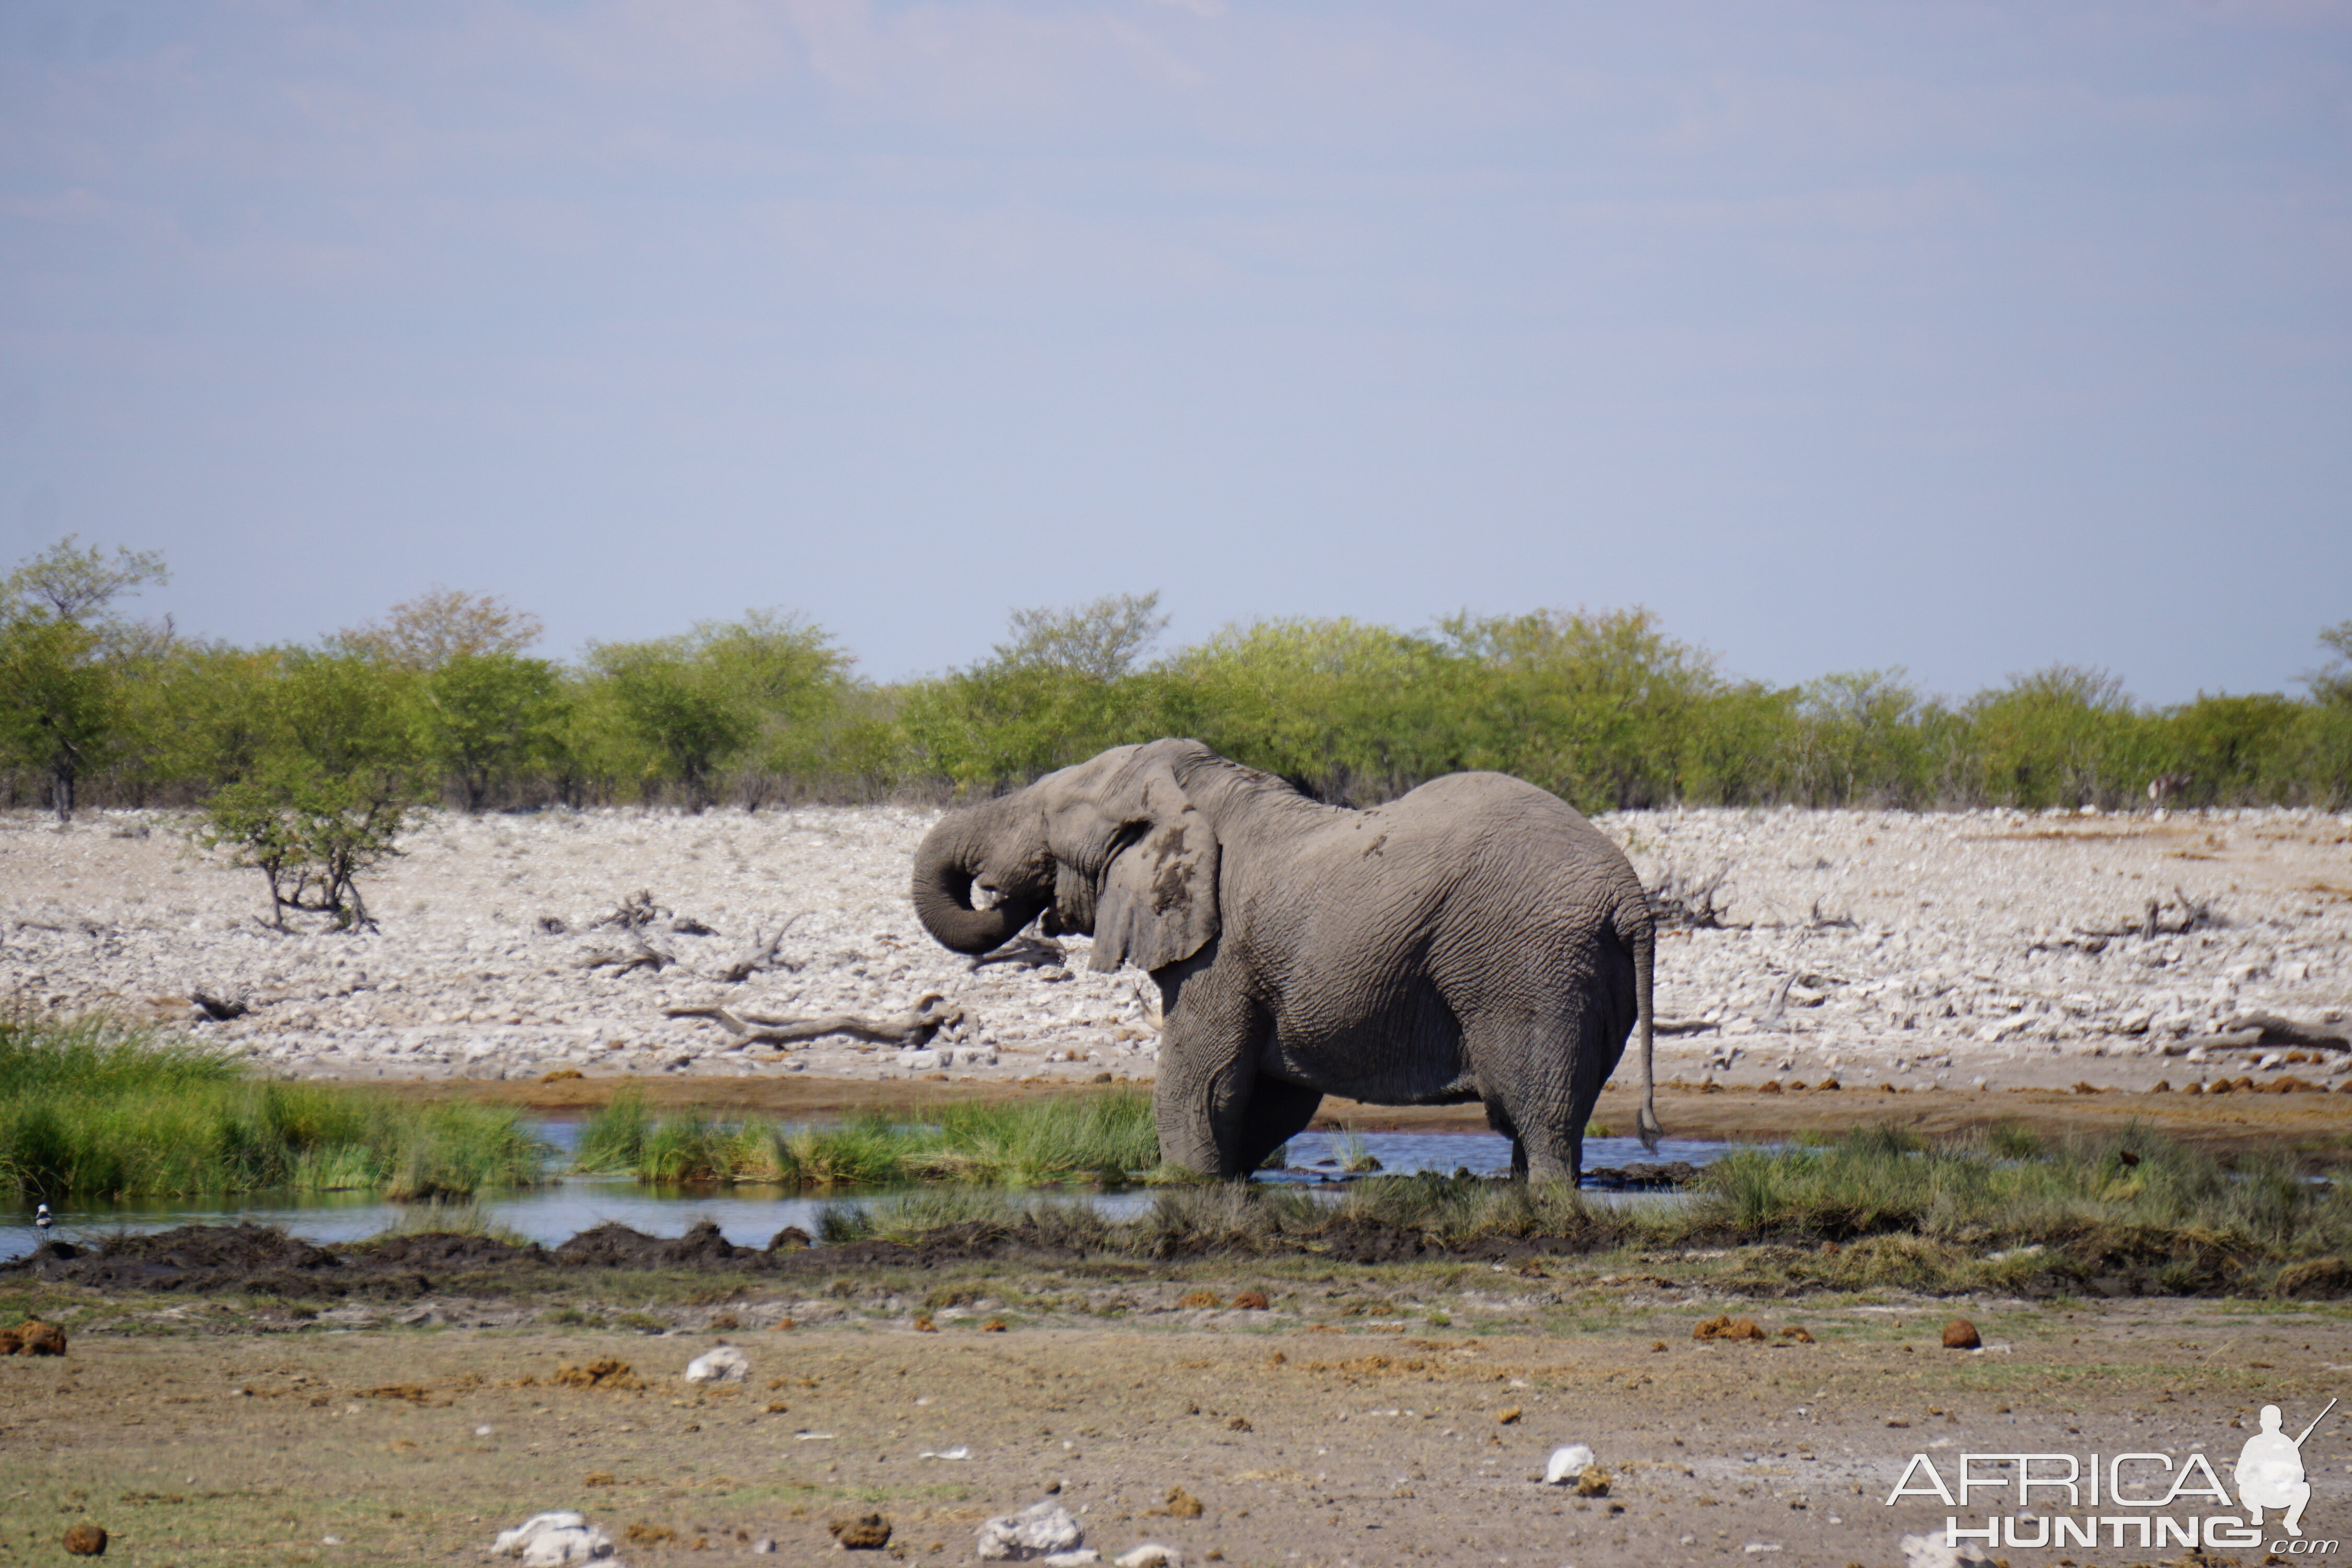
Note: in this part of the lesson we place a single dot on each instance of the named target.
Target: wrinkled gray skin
(1474, 940)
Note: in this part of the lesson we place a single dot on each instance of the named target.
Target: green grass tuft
(93, 1110)
(1022, 1144)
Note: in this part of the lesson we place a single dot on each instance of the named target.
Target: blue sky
(1968, 338)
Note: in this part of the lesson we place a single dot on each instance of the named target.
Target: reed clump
(1022, 1145)
(91, 1109)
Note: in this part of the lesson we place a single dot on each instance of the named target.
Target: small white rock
(481, 1431)
(1079, 1559)
(553, 1540)
(723, 1364)
(1926, 1552)
(1567, 1464)
(1152, 1554)
(1041, 1530)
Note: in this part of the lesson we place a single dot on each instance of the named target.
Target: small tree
(490, 714)
(691, 727)
(58, 705)
(72, 584)
(759, 691)
(1065, 685)
(61, 652)
(427, 633)
(2333, 685)
(311, 834)
(335, 779)
(1102, 640)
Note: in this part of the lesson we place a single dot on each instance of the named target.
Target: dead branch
(1681, 1027)
(2192, 916)
(640, 954)
(1690, 902)
(758, 957)
(1842, 920)
(913, 1027)
(1780, 1003)
(1028, 952)
(638, 909)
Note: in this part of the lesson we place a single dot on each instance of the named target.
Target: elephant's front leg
(1209, 1039)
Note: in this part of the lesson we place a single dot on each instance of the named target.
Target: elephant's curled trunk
(944, 868)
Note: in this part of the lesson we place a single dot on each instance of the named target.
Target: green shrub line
(1877, 1208)
(93, 1110)
(1100, 1137)
(307, 758)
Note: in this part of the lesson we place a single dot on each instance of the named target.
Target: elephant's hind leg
(1278, 1112)
(1539, 1089)
(1500, 1121)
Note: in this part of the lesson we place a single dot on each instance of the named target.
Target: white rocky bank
(1963, 957)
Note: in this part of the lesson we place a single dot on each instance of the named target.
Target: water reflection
(751, 1216)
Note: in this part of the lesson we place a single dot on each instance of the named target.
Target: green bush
(1603, 707)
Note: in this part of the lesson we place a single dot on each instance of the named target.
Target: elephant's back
(1468, 849)
(1527, 879)
(1480, 817)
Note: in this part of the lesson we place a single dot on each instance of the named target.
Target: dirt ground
(1390, 1417)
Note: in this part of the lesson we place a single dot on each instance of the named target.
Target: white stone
(1079, 1559)
(553, 1540)
(1928, 1551)
(1041, 1530)
(1567, 1464)
(723, 1364)
(1152, 1554)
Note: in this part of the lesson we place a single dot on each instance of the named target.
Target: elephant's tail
(1643, 938)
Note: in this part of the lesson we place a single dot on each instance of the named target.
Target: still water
(749, 1215)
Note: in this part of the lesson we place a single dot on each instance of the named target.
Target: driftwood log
(914, 1027)
(2253, 1031)
(2278, 1031)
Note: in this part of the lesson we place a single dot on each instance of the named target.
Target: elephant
(1475, 939)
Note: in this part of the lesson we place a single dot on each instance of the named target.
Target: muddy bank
(251, 1260)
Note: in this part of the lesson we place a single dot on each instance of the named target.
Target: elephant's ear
(1159, 901)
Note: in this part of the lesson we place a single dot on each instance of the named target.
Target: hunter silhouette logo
(2269, 1472)
(2142, 1499)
